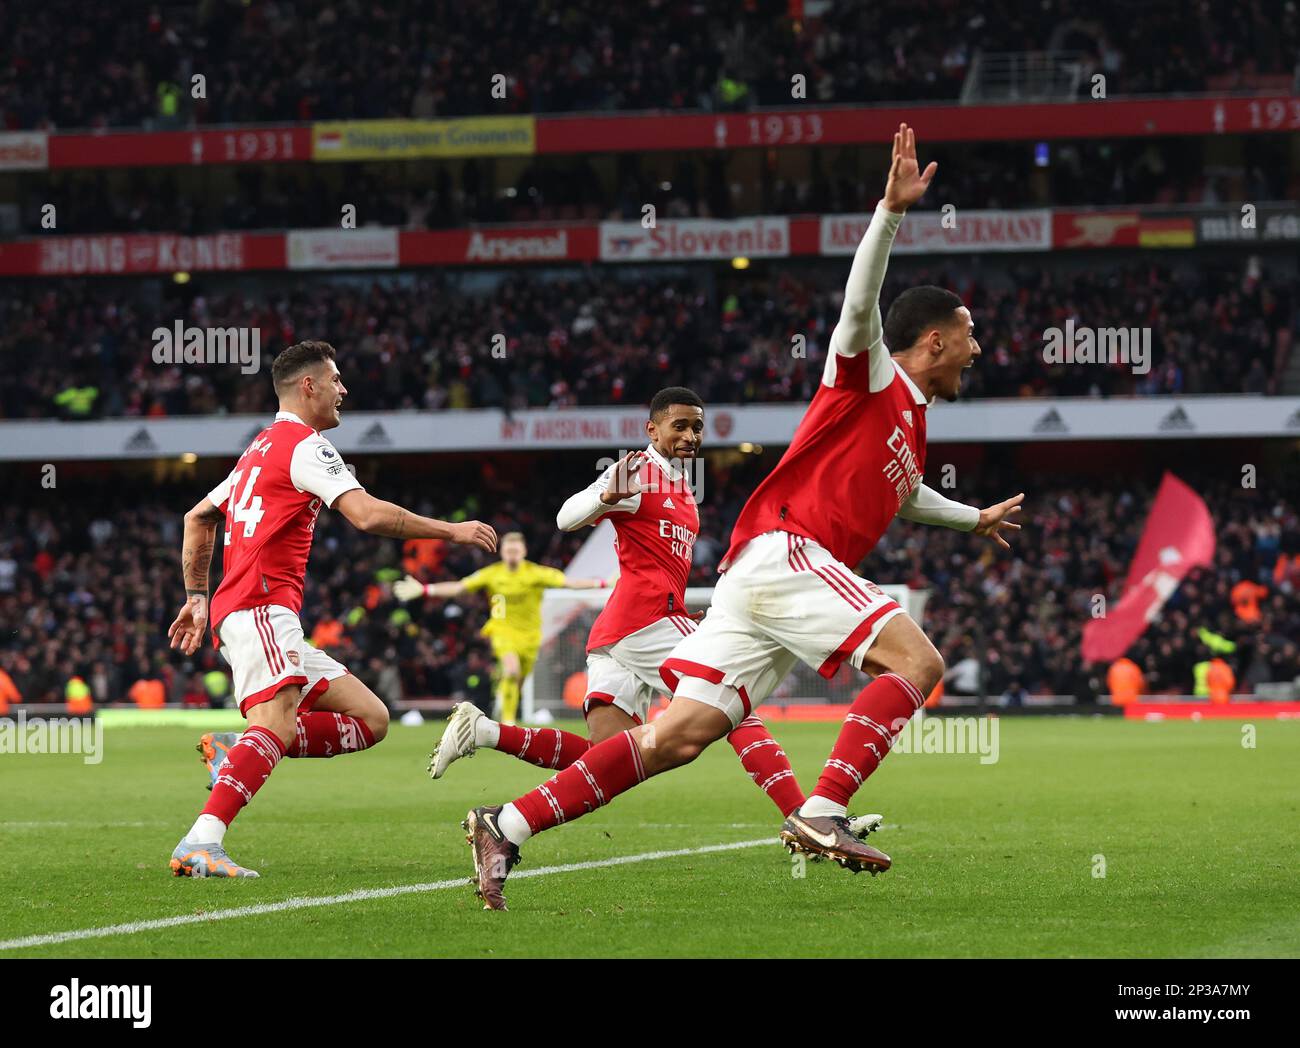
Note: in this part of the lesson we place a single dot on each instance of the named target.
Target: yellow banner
(406, 139)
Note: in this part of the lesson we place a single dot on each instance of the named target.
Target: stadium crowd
(89, 583)
(83, 349)
(268, 60)
(725, 184)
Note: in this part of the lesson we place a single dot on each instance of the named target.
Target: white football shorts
(266, 650)
(784, 599)
(626, 674)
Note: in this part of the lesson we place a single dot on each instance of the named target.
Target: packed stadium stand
(425, 343)
(86, 583)
(187, 164)
(413, 58)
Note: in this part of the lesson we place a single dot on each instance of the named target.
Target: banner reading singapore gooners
(691, 238)
(401, 139)
(24, 151)
(342, 248)
(960, 231)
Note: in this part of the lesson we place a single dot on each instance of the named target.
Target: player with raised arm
(788, 591)
(298, 701)
(515, 587)
(648, 496)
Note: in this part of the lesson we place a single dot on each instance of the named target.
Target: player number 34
(248, 508)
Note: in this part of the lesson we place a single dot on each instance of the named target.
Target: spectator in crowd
(274, 62)
(423, 342)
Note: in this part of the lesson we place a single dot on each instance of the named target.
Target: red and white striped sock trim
(767, 784)
(556, 810)
(636, 756)
(591, 781)
(876, 726)
(847, 769)
(913, 692)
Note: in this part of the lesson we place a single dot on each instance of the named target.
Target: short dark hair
(292, 362)
(666, 398)
(915, 311)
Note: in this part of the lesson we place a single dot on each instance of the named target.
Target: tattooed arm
(377, 517)
(186, 631)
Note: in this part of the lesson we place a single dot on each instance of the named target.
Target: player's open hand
(186, 632)
(625, 481)
(907, 182)
(409, 588)
(994, 519)
(475, 533)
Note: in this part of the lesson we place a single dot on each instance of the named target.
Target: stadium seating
(266, 62)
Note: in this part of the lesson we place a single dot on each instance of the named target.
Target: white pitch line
(361, 895)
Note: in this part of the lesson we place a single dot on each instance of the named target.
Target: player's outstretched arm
(583, 584)
(617, 485)
(411, 588)
(927, 506)
(186, 630)
(860, 327)
(377, 517)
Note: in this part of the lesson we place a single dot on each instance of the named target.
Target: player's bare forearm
(446, 590)
(377, 517)
(197, 545)
(395, 522)
(584, 584)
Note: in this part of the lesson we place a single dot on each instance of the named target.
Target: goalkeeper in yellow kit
(514, 627)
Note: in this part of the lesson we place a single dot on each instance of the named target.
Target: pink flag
(1179, 535)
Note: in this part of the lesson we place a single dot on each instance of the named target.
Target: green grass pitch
(1195, 830)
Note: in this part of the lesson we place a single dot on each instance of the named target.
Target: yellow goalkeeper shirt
(516, 600)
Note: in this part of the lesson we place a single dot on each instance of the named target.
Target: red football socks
(874, 720)
(325, 734)
(769, 767)
(601, 774)
(545, 747)
(248, 764)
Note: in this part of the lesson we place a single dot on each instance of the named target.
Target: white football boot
(863, 825)
(458, 738)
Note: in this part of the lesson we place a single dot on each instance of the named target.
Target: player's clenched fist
(624, 482)
(474, 533)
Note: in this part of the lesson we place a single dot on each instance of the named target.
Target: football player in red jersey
(788, 591)
(299, 702)
(649, 498)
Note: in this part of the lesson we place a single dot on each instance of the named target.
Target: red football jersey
(271, 499)
(655, 533)
(855, 457)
